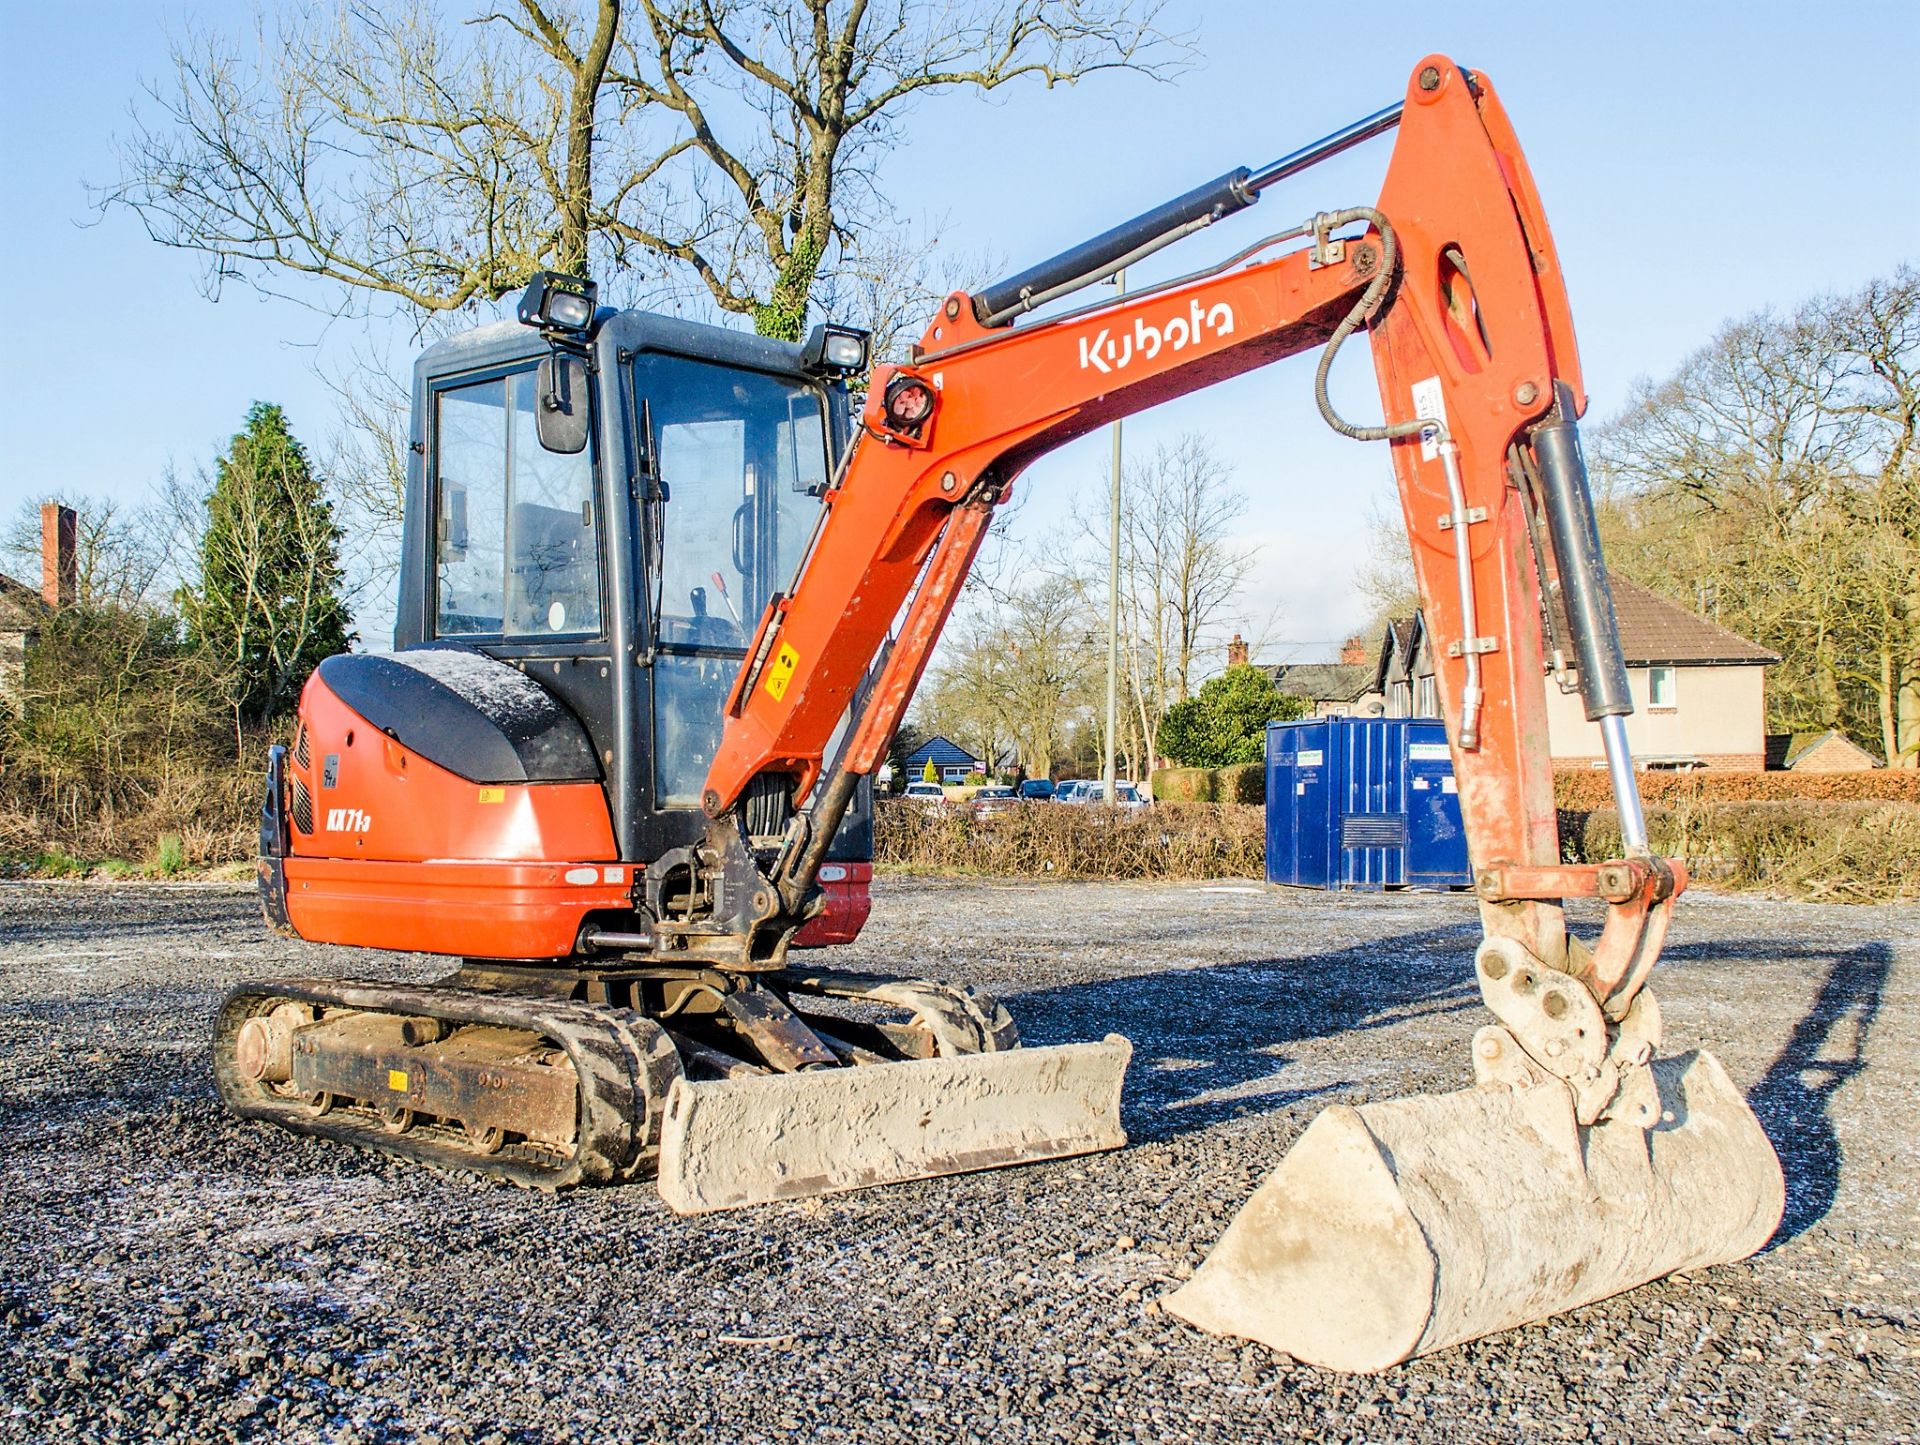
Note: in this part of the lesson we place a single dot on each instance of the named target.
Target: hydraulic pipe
(1089, 261)
(1568, 502)
(1327, 147)
(1576, 554)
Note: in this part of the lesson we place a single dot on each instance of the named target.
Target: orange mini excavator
(666, 593)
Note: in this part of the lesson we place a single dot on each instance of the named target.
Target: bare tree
(121, 558)
(732, 146)
(1015, 673)
(1771, 481)
(1182, 567)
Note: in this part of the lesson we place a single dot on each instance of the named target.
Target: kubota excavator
(665, 598)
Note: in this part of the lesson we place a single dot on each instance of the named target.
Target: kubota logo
(1105, 352)
(348, 820)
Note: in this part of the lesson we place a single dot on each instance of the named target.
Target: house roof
(1323, 681)
(21, 606)
(1786, 749)
(1655, 630)
(942, 753)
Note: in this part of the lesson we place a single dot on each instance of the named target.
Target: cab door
(740, 462)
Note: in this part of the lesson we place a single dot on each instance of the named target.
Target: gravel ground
(168, 1272)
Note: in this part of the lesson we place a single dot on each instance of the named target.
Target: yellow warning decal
(493, 795)
(780, 672)
(397, 1080)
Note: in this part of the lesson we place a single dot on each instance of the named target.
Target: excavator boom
(1453, 274)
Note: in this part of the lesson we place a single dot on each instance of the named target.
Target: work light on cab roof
(557, 302)
(836, 350)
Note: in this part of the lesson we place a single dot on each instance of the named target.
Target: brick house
(1699, 690)
(23, 610)
(1331, 689)
(1831, 751)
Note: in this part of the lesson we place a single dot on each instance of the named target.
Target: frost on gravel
(169, 1273)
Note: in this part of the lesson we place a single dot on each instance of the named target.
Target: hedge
(1041, 840)
(1582, 789)
(1840, 851)
(1244, 783)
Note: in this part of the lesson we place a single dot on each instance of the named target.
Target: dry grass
(189, 819)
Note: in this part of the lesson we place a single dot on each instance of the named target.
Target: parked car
(1127, 795)
(927, 795)
(989, 801)
(1069, 790)
(1036, 789)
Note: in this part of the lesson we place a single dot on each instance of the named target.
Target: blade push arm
(1455, 277)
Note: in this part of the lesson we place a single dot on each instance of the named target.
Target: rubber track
(624, 1061)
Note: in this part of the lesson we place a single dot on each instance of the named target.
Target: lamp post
(1110, 791)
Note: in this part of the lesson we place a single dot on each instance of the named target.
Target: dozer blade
(1399, 1228)
(733, 1142)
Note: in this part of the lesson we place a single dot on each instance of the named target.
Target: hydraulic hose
(1364, 309)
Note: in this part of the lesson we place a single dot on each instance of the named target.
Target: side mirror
(560, 403)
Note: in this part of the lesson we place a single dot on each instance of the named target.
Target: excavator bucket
(1399, 1228)
(739, 1141)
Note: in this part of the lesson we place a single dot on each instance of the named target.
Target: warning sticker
(1429, 403)
(493, 795)
(780, 672)
(397, 1080)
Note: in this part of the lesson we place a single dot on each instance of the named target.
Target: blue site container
(1363, 802)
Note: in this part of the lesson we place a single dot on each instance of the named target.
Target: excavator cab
(624, 577)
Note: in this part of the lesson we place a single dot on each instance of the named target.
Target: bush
(1827, 851)
(211, 812)
(1226, 721)
(1182, 785)
(1241, 783)
(1042, 840)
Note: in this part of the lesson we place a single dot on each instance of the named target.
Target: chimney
(59, 555)
(1236, 652)
(1352, 651)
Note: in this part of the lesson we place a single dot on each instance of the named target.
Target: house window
(1662, 687)
(1428, 704)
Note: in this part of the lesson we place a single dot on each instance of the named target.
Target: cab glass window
(517, 551)
(743, 456)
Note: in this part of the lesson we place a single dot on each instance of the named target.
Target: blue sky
(1698, 162)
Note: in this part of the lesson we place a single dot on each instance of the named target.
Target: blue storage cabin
(1363, 803)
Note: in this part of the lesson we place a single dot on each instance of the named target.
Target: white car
(927, 795)
(1127, 795)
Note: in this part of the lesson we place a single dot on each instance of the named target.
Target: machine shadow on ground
(1826, 1049)
(1204, 1038)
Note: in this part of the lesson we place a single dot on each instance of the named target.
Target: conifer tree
(266, 606)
